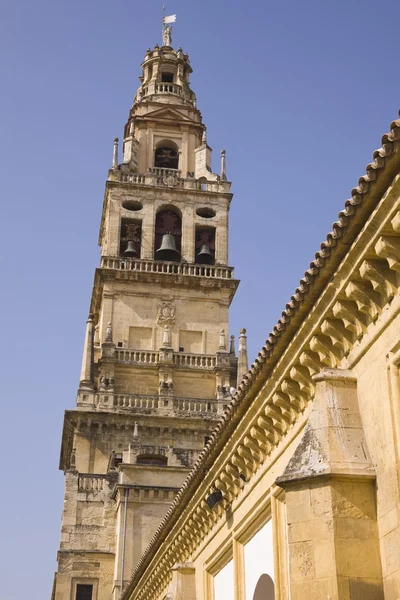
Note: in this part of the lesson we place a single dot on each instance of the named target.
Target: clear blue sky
(299, 94)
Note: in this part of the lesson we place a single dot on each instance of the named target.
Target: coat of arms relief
(166, 313)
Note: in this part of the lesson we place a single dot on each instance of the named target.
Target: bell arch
(168, 234)
(166, 155)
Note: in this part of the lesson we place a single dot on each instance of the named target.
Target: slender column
(115, 154)
(86, 378)
(243, 365)
(223, 165)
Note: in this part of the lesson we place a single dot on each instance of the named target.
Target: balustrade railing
(152, 402)
(137, 356)
(168, 88)
(158, 176)
(199, 361)
(135, 401)
(88, 482)
(168, 268)
(162, 172)
(196, 405)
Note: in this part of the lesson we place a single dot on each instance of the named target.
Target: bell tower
(158, 368)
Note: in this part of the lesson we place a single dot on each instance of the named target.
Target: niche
(131, 238)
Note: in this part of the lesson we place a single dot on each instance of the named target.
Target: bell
(130, 249)
(205, 256)
(168, 250)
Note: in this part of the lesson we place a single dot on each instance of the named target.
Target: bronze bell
(168, 250)
(205, 256)
(130, 249)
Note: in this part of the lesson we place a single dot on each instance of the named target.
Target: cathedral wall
(378, 388)
(194, 385)
(137, 381)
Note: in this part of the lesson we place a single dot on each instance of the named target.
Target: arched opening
(152, 460)
(168, 235)
(166, 155)
(130, 238)
(205, 245)
(264, 589)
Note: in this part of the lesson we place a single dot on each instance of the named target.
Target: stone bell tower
(158, 368)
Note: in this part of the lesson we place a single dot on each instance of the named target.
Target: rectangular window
(84, 592)
(224, 585)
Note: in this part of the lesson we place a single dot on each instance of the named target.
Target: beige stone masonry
(330, 500)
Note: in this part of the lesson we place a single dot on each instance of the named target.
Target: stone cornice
(320, 325)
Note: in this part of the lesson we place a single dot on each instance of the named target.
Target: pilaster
(330, 500)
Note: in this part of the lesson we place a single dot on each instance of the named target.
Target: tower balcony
(150, 358)
(132, 265)
(170, 178)
(163, 89)
(153, 404)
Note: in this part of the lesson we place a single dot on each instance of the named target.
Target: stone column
(330, 500)
(86, 378)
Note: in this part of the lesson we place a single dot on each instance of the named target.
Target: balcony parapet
(142, 357)
(153, 403)
(88, 482)
(171, 178)
(167, 268)
(183, 360)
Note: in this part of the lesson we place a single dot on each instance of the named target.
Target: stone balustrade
(88, 482)
(135, 401)
(142, 357)
(168, 88)
(167, 268)
(157, 176)
(197, 361)
(162, 172)
(180, 359)
(152, 403)
(196, 405)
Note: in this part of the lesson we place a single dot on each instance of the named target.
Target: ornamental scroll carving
(166, 313)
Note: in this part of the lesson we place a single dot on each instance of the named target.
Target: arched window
(152, 460)
(166, 155)
(205, 245)
(168, 235)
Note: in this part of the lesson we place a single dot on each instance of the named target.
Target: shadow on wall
(264, 588)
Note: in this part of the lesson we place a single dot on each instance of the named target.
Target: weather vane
(167, 29)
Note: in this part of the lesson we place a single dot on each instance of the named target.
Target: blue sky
(299, 94)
